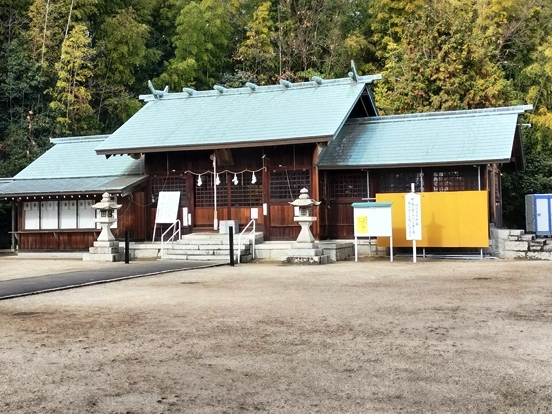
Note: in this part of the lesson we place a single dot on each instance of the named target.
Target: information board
(373, 220)
(167, 207)
(413, 210)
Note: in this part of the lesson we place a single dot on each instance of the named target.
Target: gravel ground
(367, 337)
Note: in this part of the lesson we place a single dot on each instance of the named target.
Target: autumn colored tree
(441, 63)
(257, 52)
(71, 96)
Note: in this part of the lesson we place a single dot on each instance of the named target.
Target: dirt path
(438, 336)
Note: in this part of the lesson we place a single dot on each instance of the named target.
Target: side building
(52, 197)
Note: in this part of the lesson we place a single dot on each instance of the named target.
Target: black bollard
(127, 252)
(231, 242)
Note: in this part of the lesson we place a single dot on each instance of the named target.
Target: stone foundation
(516, 244)
(105, 251)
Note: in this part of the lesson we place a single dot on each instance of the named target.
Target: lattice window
(286, 185)
(399, 181)
(348, 185)
(170, 183)
(246, 194)
(205, 194)
(455, 180)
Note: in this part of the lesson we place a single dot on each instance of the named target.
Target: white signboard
(373, 220)
(167, 207)
(254, 214)
(413, 209)
(185, 221)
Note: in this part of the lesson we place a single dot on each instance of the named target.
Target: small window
(287, 185)
(205, 194)
(348, 185)
(245, 193)
(169, 183)
(455, 180)
(399, 181)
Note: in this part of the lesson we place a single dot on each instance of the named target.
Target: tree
(386, 21)
(121, 50)
(441, 64)
(312, 36)
(203, 46)
(71, 97)
(257, 52)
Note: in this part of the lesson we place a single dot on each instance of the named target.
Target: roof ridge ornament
(157, 94)
(219, 88)
(285, 83)
(353, 73)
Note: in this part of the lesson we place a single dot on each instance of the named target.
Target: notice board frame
(373, 219)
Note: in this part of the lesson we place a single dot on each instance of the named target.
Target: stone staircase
(210, 247)
(516, 244)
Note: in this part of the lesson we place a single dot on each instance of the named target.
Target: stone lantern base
(305, 253)
(105, 251)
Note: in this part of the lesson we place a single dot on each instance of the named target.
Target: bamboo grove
(76, 67)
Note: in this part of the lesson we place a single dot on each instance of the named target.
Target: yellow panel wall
(449, 219)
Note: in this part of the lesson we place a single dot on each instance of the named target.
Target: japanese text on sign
(362, 224)
(413, 217)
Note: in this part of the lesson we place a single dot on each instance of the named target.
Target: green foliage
(71, 102)
(202, 44)
(536, 179)
(387, 20)
(257, 52)
(441, 64)
(123, 46)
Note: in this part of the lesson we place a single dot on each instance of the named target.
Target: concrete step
(204, 252)
(205, 258)
(196, 245)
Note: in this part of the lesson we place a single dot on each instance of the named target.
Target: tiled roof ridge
(464, 113)
(84, 138)
(251, 88)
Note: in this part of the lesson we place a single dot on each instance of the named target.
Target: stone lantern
(106, 248)
(305, 218)
(105, 216)
(305, 250)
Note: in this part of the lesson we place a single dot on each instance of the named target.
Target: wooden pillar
(315, 192)
(492, 193)
(14, 229)
(190, 201)
(266, 198)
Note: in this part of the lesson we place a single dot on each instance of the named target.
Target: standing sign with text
(413, 210)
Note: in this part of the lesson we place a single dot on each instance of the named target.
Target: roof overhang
(222, 145)
(123, 185)
(412, 165)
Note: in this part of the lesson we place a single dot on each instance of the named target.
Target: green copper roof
(61, 186)
(456, 137)
(75, 157)
(72, 166)
(226, 118)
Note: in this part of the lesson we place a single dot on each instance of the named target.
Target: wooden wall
(336, 216)
(278, 224)
(71, 240)
(131, 216)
